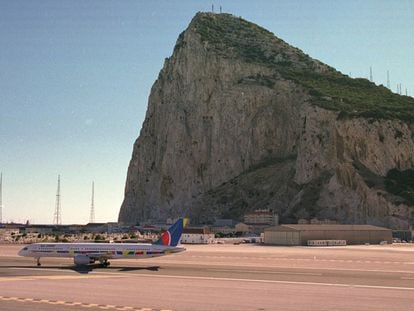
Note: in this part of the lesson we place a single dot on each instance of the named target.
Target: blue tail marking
(172, 236)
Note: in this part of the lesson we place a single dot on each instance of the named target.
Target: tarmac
(217, 277)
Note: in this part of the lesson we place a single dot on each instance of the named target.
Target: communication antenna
(1, 197)
(406, 92)
(370, 74)
(212, 8)
(92, 215)
(220, 9)
(388, 79)
(57, 219)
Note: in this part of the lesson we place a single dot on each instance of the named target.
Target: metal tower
(1, 198)
(370, 74)
(388, 80)
(57, 218)
(92, 215)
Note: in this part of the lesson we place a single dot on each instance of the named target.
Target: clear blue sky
(75, 77)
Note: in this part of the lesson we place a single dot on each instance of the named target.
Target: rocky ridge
(239, 120)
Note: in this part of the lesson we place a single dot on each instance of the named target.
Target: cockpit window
(25, 249)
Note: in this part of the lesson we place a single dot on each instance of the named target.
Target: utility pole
(57, 219)
(92, 215)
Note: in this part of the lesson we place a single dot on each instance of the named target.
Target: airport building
(300, 234)
(262, 217)
(197, 236)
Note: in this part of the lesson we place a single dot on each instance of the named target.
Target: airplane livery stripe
(98, 252)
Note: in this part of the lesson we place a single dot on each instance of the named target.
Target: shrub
(401, 183)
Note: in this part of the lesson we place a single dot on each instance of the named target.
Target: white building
(197, 236)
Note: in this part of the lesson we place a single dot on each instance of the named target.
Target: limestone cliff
(239, 120)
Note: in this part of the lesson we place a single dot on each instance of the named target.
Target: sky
(75, 78)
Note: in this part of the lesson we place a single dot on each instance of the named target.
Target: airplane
(89, 253)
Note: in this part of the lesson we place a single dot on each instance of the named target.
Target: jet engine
(82, 260)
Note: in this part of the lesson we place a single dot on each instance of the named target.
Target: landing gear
(104, 262)
(38, 262)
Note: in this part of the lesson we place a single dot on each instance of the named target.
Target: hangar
(293, 234)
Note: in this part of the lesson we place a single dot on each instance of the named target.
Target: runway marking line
(77, 304)
(58, 277)
(308, 268)
(266, 272)
(276, 282)
(305, 259)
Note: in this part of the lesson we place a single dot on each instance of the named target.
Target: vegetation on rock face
(401, 183)
(230, 36)
(356, 97)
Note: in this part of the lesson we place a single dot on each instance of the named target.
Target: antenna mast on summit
(92, 215)
(1, 198)
(388, 79)
(57, 219)
(370, 74)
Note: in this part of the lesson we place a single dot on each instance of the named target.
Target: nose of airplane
(23, 252)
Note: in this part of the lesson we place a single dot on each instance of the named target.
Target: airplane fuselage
(98, 250)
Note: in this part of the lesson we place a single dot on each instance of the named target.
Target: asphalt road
(217, 277)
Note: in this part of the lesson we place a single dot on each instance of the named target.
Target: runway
(217, 277)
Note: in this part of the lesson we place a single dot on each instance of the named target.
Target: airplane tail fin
(172, 236)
